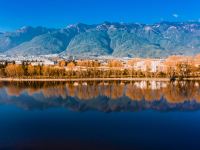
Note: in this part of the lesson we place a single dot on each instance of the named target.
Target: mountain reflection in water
(103, 96)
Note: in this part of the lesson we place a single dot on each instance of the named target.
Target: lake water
(100, 115)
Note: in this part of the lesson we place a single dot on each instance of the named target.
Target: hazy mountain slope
(49, 43)
(11, 39)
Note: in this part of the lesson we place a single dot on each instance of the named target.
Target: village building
(18, 62)
(151, 65)
(42, 62)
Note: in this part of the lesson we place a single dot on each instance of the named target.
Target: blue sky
(60, 13)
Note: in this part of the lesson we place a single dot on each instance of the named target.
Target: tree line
(93, 69)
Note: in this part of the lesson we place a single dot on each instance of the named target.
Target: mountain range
(106, 39)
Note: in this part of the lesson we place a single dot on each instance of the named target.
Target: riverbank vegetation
(95, 69)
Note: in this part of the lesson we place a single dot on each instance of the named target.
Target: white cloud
(175, 15)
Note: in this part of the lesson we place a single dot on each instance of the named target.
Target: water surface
(99, 115)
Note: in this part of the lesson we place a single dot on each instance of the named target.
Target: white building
(140, 65)
(18, 62)
(157, 65)
(153, 65)
(43, 62)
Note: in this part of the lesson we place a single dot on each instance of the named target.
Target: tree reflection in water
(103, 96)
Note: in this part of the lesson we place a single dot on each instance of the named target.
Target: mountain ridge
(112, 39)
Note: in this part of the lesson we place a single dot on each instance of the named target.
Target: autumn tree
(13, 70)
(70, 67)
(31, 70)
(170, 72)
(46, 71)
(62, 63)
(183, 70)
(115, 63)
(38, 70)
(2, 72)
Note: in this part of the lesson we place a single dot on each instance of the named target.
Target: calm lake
(100, 115)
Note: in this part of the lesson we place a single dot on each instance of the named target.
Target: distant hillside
(116, 39)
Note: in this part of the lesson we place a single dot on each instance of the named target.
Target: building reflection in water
(103, 96)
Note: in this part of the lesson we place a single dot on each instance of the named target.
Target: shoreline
(85, 79)
(93, 79)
